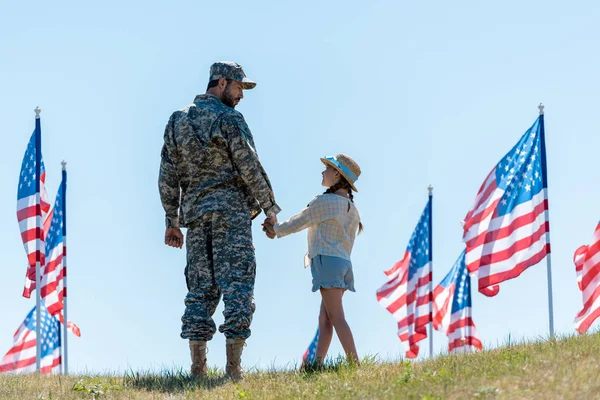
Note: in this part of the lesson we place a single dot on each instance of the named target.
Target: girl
(333, 222)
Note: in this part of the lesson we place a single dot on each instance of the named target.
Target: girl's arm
(317, 211)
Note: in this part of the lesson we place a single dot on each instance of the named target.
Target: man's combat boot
(234, 359)
(198, 353)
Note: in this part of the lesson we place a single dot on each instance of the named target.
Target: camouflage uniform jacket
(209, 163)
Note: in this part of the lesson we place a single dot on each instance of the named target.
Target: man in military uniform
(212, 182)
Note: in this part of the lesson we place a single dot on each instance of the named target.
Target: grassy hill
(568, 368)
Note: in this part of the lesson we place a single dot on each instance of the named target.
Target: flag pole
(39, 229)
(430, 210)
(64, 231)
(549, 256)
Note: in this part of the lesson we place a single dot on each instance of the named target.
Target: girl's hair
(343, 184)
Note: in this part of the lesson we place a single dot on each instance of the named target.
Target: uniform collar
(206, 97)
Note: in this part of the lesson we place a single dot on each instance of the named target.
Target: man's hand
(268, 229)
(174, 237)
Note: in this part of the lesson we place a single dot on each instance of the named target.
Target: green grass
(568, 368)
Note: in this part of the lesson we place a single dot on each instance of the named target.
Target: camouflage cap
(230, 70)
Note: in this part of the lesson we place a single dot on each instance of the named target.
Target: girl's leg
(332, 300)
(325, 334)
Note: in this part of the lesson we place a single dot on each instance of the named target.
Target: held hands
(268, 227)
(174, 237)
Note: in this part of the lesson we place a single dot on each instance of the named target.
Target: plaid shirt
(332, 223)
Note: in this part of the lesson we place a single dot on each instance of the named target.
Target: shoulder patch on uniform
(235, 117)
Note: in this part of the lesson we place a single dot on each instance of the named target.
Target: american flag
(507, 230)
(29, 283)
(311, 352)
(54, 272)
(452, 309)
(29, 214)
(52, 291)
(587, 266)
(21, 358)
(407, 294)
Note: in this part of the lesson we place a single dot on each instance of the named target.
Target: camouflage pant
(220, 260)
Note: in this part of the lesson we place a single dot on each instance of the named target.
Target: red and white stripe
(458, 326)
(71, 327)
(442, 303)
(462, 333)
(500, 248)
(587, 266)
(52, 291)
(53, 281)
(29, 286)
(408, 302)
(53, 275)
(21, 358)
(30, 216)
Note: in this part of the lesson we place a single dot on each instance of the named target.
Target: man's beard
(227, 98)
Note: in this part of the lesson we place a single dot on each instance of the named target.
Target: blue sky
(417, 93)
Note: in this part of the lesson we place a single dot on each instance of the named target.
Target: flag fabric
(29, 283)
(71, 327)
(53, 273)
(507, 230)
(48, 222)
(29, 286)
(21, 358)
(587, 267)
(52, 291)
(452, 309)
(311, 352)
(29, 215)
(407, 293)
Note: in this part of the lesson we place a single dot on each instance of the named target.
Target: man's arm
(168, 180)
(246, 162)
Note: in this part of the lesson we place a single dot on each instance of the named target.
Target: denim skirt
(331, 272)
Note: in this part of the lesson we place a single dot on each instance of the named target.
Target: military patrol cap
(230, 70)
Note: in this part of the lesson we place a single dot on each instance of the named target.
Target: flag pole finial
(430, 189)
(64, 165)
(37, 112)
(541, 108)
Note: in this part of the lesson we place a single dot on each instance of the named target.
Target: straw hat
(346, 166)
